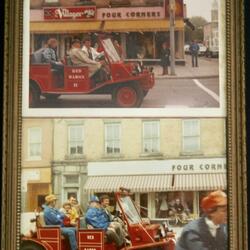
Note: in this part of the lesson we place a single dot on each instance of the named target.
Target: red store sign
(70, 13)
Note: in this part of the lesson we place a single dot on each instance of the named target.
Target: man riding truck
(81, 58)
(98, 218)
(52, 216)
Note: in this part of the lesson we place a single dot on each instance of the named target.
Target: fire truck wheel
(31, 246)
(34, 96)
(128, 95)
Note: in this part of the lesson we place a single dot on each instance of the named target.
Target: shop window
(168, 203)
(112, 138)
(75, 140)
(151, 137)
(191, 135)
(34, 143)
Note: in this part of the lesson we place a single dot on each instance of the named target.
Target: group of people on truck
(81, 53)
(70, 217)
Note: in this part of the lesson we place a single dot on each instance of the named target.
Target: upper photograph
(123, 54)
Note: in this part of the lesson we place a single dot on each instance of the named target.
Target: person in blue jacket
(194, 51)
(98, 218)
(52, 216)
(209, 231)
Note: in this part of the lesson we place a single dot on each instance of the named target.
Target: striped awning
(157, 183)
(136, 183)
(199, 182)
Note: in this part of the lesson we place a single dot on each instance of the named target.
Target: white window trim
(199, 141)
(105, 139)
(68, 142)
(159, 138)
(34, 158)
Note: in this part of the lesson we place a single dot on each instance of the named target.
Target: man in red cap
(207, 232)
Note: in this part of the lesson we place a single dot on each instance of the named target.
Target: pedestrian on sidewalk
(194, 50)
(165, 54)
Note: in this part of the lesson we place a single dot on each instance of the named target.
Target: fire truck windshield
(110, 50)
(130, 210)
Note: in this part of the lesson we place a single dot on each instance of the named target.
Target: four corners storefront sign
(70, 13)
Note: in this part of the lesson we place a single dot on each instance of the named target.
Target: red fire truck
(126, 85)
(143, 235)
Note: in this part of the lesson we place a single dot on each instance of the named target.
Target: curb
(186, 77)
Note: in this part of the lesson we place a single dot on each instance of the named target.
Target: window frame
(198, 150)
(106, 124)
(158, 138)
(70, 141)
(37, 157)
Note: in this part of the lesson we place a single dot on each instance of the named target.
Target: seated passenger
(116, 222)
(81, 58)
(49, 55)
(98, 218)
(53, 216)
(75, 206)
(92, 53)
(70, 213)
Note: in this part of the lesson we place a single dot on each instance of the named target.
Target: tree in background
(196, 34)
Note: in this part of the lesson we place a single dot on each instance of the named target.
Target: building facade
(159, 160)
(140, 26)
(37, 152)
(211, 31)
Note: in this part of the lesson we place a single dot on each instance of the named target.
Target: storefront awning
(64, 27)
(141, 25)
(200, 182)
(136, 183)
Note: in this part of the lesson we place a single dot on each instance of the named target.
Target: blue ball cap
(94, 198)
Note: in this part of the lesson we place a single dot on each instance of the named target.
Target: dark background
(247, 60)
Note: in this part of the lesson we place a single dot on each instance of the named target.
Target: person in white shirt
(207, 232)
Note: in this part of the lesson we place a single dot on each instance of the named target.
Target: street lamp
(172, 37)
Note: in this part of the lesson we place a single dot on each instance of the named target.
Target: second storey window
(35, 143)
(191, 135)
(112, 138)
(75, 140)
(151, 137)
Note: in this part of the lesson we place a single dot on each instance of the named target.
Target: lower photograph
(109, 184)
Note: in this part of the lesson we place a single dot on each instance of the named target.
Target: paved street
(190, 87)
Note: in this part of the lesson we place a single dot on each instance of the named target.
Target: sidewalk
(208, 68)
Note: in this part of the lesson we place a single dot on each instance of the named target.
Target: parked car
(202, 49)
(186, 48)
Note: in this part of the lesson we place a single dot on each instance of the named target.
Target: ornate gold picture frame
(235, 125)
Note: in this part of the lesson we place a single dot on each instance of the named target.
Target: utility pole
(172, 37)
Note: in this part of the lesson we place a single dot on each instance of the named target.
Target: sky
(199, 8)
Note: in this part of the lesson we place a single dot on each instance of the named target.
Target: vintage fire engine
(143, 235)
(125, 84)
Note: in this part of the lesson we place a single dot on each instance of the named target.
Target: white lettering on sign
(130, 13)
(76, 71)
(76, 77)
(201, 167)
(75, 85)
(66, 13)
(90, 237)
(89, 248)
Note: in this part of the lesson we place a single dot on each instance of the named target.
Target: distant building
(211, 32)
